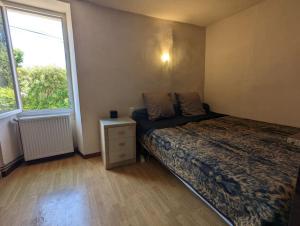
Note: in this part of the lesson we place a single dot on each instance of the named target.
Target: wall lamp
(165, 57)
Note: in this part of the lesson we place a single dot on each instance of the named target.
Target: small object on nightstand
(294, 139)
(118, 141)
(113, 114)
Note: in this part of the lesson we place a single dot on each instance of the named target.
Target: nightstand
(118, 141)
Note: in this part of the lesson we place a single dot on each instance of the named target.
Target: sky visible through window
(39, 37)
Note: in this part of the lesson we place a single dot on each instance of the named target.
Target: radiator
(45, 136)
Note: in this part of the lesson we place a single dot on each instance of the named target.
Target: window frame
(12, 66)
(44, 12)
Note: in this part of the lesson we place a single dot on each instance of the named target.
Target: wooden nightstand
(118, 141)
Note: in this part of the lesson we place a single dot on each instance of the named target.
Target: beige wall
(252, 63)
(118, 58)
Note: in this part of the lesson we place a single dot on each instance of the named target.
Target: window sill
(10, 113)
(45, 112)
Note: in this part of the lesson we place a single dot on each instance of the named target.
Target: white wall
(9, 140)
(252, 63)
(118, 58)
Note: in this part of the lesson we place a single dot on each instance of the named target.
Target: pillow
(190, 104)
(159, 105)
(140, 114)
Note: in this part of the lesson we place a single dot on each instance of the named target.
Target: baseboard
(8, 168)
(88, 155)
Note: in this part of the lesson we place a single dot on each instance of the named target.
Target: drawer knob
(122, 155)
(122, 144)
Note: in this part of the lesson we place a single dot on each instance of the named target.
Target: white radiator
(45, 136)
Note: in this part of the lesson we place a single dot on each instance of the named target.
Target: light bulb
(165, 57)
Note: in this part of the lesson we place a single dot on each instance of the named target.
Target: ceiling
(198, 12)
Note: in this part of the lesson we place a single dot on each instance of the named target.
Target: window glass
(38, 44)
(7, 92)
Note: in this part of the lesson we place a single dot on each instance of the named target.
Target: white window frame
(12, 66)
(52, 9)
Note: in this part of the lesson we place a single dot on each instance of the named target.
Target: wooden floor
(76, 191)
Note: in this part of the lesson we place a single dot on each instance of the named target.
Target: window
(7, 92)
(35, 67)
(38, 44)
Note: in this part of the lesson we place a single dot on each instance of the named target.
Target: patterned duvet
(244, 168)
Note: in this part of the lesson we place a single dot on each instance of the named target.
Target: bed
(244, 169)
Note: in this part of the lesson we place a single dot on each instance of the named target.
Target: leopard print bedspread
(244, 168)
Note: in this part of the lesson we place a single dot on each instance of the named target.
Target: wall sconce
(165, 57)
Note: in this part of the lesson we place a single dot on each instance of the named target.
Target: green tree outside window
(43, 87)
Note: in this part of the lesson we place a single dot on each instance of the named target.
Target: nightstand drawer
(121, 149)
(122, 131)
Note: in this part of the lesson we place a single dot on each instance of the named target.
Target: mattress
(243, 168)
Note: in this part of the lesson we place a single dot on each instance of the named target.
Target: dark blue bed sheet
(144, 125)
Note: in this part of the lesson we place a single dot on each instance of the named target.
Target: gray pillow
(190, 104)
(159, 105)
